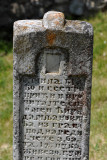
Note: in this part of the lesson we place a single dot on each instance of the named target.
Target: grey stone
(52, 88)
(61, 1)
(53, 20)
(77, 7)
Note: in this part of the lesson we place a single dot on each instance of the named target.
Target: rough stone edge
(75, 26)
(16, 152)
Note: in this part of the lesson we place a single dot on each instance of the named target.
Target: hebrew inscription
(51, 115)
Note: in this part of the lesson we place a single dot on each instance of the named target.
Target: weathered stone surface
(53, 20)
(52, 88)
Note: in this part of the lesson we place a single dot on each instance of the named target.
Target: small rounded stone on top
(53, 19)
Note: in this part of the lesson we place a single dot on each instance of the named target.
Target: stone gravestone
(52, 88)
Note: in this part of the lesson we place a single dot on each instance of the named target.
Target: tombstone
(52, 88)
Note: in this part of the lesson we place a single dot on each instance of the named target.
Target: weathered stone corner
(53, 19)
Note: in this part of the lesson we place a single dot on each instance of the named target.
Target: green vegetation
(98, 138)
(6, 106)
(5, 47)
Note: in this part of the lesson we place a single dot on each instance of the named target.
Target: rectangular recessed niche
(52, 63)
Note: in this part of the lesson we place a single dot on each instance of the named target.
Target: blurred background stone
(11, 11)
